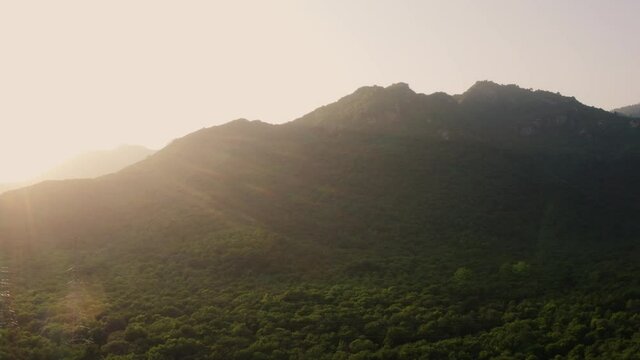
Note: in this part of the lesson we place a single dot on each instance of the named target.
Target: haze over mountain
(98, 163)
(387, 225)
(90, 165)
(631, 110)
(7, 187)
(491, 116)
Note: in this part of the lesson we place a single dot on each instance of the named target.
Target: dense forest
(501, 223)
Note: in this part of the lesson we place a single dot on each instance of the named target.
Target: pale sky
(84, 75)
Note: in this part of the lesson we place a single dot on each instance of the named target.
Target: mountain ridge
(522, 113)
(369, 113)
(631, 110)
(387, 225)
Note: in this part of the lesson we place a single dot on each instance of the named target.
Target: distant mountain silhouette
(9, 186)
(90, 165)
(98, 163)
(631, 110)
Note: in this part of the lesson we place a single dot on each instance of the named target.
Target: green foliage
(462, 276)
(473, 310)
(390, 225)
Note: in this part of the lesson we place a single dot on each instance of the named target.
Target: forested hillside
(501, 223)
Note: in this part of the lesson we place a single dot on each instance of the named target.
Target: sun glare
(22, 167)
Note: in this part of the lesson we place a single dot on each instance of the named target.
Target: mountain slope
(389, 224)
(631, 110)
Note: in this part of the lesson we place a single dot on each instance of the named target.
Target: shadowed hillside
(387, 225)
(374, 144)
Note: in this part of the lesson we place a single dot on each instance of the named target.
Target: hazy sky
(80, 75)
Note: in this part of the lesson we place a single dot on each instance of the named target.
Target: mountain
(98, 163)
(90, 165)
(497, 223)
(631, 110)
(487, 112)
